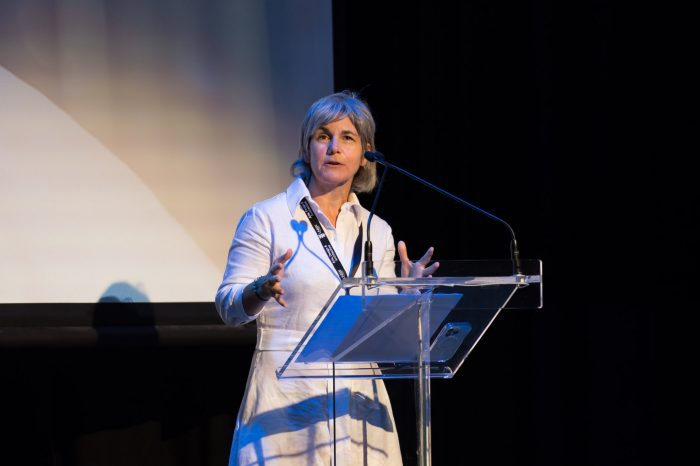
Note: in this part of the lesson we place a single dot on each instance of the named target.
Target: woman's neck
(329, 200)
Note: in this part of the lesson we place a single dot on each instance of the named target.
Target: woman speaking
(288, 255)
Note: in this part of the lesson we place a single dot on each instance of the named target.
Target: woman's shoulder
(287, 199)
(263, 212)
(271, 204)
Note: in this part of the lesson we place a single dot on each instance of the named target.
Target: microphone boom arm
(515, 252)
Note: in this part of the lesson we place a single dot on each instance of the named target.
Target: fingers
(278, 291)
(426, 257)
(405, 261)
(428, 272)
(284, 257)
(277, 267)
(418, 268)
(274, 278)
(403, 253)
(272, 287)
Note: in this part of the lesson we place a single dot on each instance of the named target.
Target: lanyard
(357, 250)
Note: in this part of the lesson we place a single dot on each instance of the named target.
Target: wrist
(257, 289)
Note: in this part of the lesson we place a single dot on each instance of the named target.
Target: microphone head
(374, 156)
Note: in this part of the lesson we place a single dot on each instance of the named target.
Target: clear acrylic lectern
(415, 328)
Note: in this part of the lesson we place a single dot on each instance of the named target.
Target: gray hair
(326, 110)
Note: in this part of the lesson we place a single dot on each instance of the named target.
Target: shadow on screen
(124, 316)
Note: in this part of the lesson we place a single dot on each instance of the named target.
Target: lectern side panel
(477, 310)
(457, 335)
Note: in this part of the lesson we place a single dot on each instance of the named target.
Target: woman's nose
(332, 145)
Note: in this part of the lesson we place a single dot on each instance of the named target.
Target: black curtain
(553, 116)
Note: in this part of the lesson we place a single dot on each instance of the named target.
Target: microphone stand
(515, 252)
(369, 265)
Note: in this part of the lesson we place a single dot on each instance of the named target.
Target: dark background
(564, 120)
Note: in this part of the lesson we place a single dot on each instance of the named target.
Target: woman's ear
(364, 161)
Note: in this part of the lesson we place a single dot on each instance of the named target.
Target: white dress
(289, 422)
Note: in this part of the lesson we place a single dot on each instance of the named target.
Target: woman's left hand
(418, 268)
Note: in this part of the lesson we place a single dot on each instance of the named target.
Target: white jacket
(289, 422)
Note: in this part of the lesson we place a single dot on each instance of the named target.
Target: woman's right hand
(270, 285)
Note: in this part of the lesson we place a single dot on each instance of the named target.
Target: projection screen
(134, 134)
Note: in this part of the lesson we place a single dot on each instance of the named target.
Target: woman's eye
(322, 137)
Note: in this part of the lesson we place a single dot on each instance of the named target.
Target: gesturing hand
(418, 268)
(270, 286)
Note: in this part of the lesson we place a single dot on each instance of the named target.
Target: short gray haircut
(329, 109)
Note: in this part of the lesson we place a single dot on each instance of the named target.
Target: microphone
(369, 265)
(378, 157)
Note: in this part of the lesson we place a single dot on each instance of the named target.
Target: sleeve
(387, 266)
(249, 256)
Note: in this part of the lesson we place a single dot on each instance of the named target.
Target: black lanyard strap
(328, 247)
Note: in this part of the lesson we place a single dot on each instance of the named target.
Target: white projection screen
(135, 133)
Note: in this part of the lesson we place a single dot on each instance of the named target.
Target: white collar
(297, 191)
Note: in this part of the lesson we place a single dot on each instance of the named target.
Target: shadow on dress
(307, 414)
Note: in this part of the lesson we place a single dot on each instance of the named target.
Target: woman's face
(336, 153)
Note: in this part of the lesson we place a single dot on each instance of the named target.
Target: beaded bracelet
(256, 288)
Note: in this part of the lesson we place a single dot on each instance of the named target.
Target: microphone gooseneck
(378, 157)
(369, 265)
